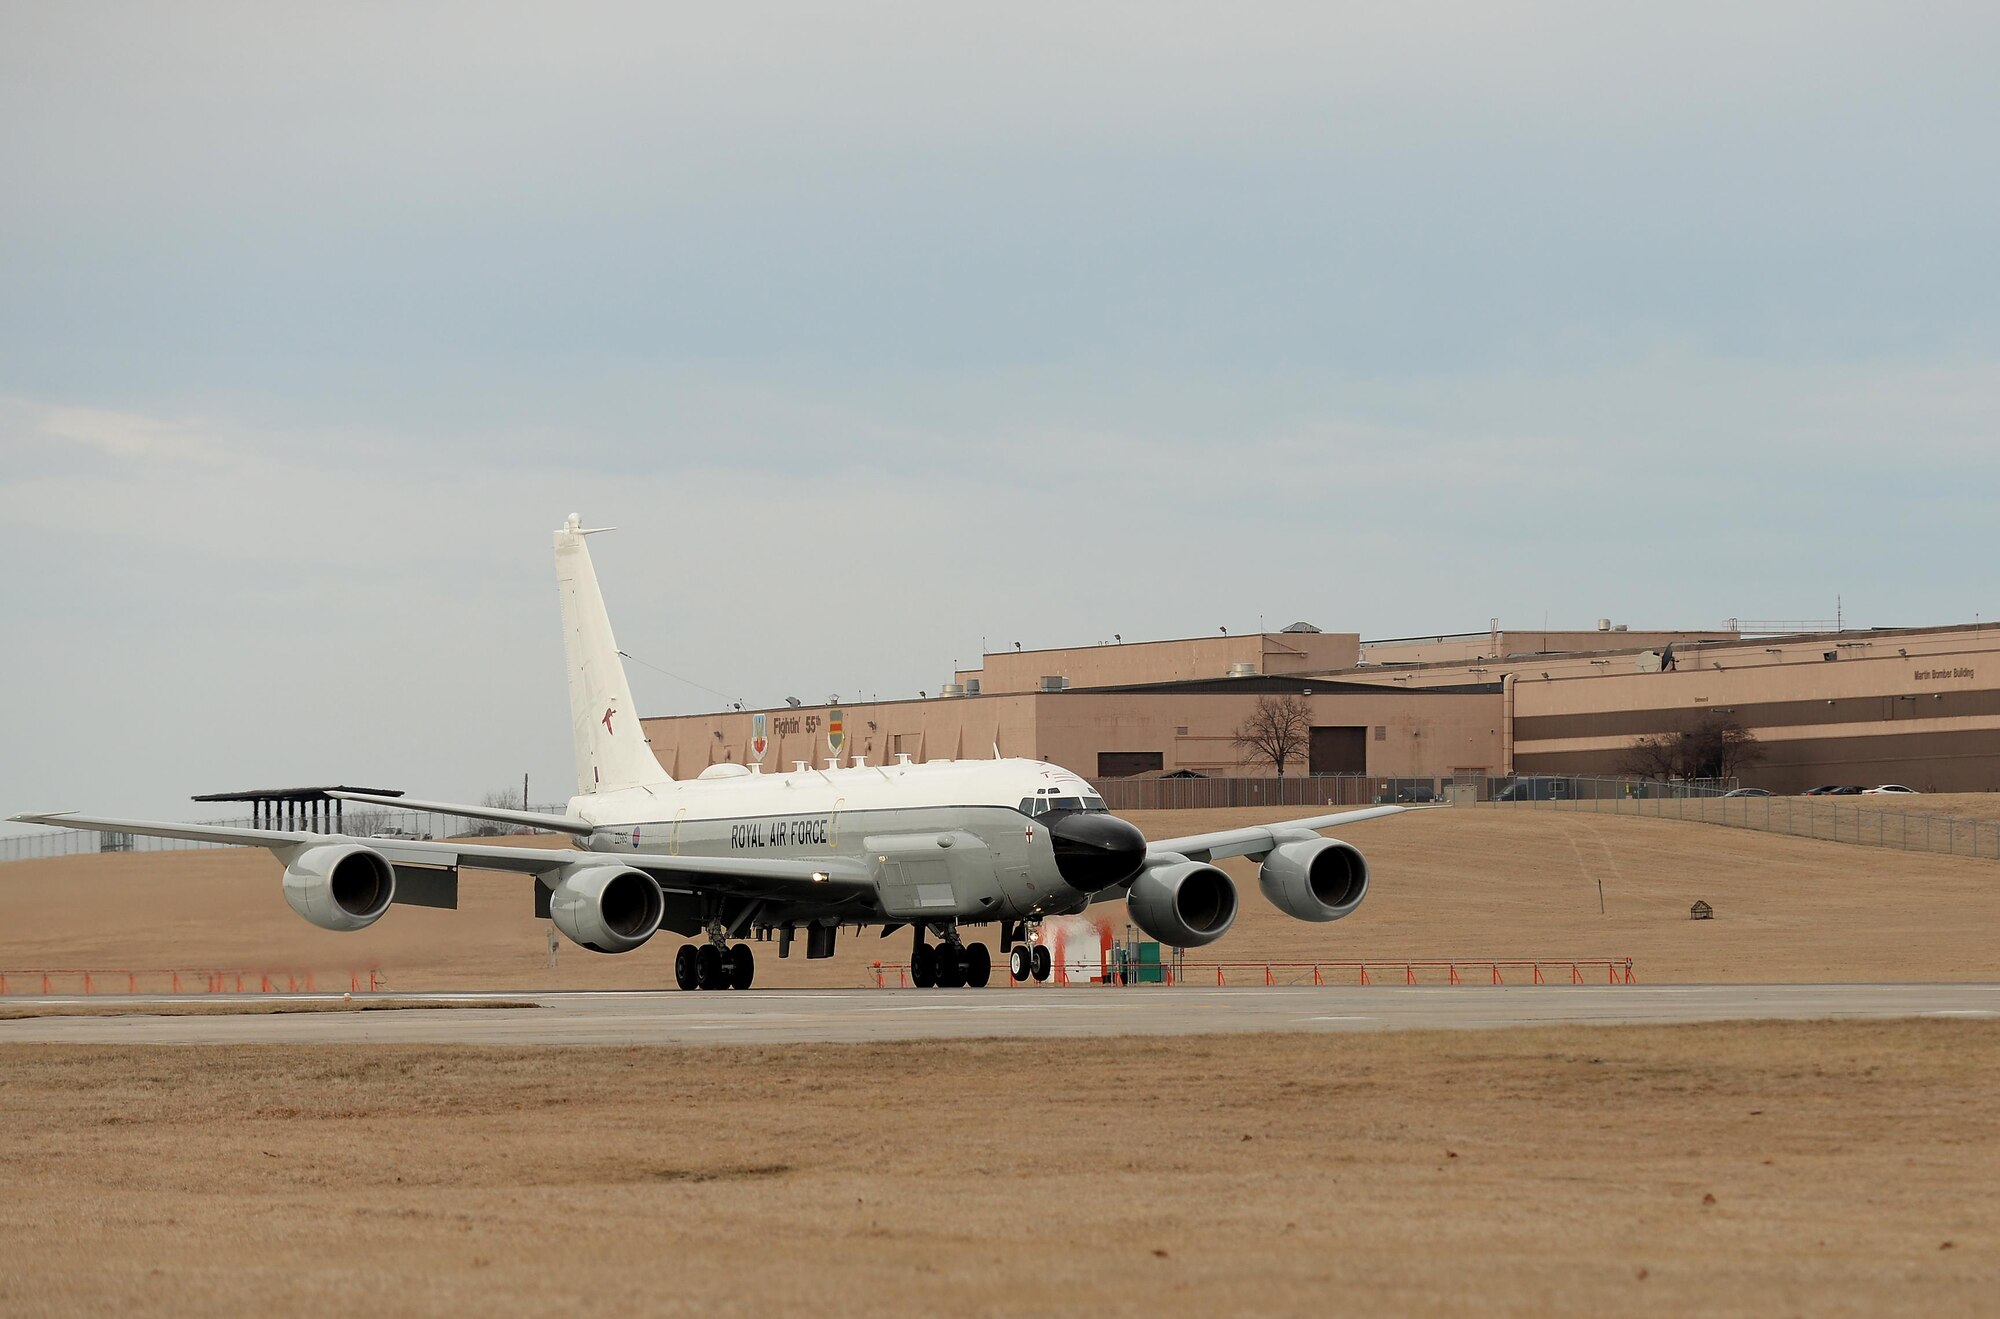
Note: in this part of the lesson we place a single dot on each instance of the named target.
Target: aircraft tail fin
(611, 749)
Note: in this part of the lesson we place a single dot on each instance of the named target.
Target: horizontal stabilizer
(561, 824)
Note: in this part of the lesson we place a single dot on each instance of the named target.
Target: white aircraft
(939, 847)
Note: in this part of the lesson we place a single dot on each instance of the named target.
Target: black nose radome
(1094, 850)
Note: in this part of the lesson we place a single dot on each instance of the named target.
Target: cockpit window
(1042, 804)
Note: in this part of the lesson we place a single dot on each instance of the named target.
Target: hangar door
(1339, 751)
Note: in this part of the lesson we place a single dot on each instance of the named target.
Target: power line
(626, 654)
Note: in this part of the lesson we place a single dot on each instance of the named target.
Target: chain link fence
(1168, 793)
(1828, 819)
(360, 823)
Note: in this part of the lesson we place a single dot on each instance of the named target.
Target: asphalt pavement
(862, 1015)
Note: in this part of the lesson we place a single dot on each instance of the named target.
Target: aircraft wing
(827, 878)
(563, 824)
(1257, 839)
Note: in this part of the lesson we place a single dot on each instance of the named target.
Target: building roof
(1261, 684)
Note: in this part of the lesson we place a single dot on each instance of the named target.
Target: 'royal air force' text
(779, 833)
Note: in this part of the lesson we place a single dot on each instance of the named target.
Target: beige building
(1114, 733)
(1920, 707)
(1913, 706)
(1300, 649)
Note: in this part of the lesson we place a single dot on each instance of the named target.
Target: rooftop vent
(1302, 627)
(952, 689)
(1054, 683)
(1244, 670)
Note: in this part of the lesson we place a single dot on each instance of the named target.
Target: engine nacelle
(1316, 879)
(607, 909)
(340, 886)
(1184, 904)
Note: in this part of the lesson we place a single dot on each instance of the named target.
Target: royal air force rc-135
(940, 847)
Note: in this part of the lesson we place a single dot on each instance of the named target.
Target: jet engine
(1314, 879)
(340, 886)
(607, 909)
(1184, 904)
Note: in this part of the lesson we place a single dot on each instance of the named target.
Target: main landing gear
(714, 965)
(949, 964)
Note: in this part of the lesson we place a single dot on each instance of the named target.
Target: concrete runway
(849, 1016)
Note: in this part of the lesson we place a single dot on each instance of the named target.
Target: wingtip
(38, 817)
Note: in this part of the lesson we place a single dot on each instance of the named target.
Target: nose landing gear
(1030, 960)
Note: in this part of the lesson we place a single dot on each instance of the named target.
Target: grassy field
(1746, 1169)
(1490, 882)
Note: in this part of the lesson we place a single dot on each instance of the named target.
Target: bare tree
(1654, 756)
(1718, 746)
(1715, 746)
(503, 799)
(1277, 731)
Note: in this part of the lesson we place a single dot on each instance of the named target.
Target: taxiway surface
(846, 1016)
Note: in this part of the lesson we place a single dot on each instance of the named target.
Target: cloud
(123, 434)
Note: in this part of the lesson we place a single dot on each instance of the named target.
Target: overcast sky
(882, 329)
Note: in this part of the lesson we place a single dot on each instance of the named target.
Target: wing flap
(833, 879)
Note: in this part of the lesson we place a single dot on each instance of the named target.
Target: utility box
(1136, 961)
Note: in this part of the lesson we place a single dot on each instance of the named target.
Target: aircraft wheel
(1044, 964)
(711, 974)
(923, 966)
(687, 967)
(950, 967)
(978, 966)
(741, 966)
(1020, 962)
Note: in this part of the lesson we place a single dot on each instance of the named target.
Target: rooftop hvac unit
(972, 686)
(1244, 670)
(1622, 627)
(952, 689)
(1603, 625)
(1055, 683)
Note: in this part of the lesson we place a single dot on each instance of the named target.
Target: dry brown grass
(1466, 883)
(1749, 1169)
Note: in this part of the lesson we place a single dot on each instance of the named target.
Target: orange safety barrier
(1617, 971)
(175, 980)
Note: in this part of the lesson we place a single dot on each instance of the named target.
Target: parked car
(1748, 792)
(1821, 791)
(1894, 788)
(1847, 790)
(1406, 791)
